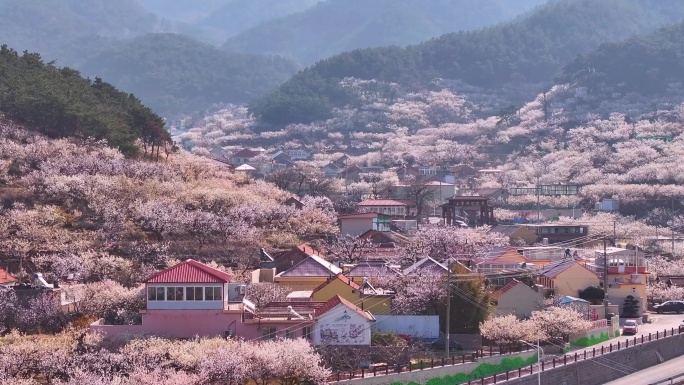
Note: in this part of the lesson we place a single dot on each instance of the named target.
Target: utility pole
(448, 312)
(605, 279)
(672, 226)
(614, 235)
(538, 193)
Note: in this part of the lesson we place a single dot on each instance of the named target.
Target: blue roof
(568, 299)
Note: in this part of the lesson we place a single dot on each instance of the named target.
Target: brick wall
(611, 366)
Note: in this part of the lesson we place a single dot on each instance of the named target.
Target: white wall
(419, 326)
(342, 326)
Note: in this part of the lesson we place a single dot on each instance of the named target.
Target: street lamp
(539, 354)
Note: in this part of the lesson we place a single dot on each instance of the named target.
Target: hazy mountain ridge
(531, 49)
(59, 30)
(175, 73)
(335, 26)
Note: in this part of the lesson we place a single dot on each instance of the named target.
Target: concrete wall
(342, 326)
(203, 323)
(420, 326)
(355, 226)
(520, 300)
(600, 371)
(423, 376)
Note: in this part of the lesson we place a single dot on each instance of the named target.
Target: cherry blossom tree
(507, 331)
(418, 294)
(559, 322)
(350, 249)
(264, 293)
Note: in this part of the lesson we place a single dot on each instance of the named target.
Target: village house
(241, 157)
(374, 270)
(555, 232)
(299, 153)
(671, 280)
(518, 299)
(360, 223)
(364, 296)
(426, 265)
(307, 274)
(191, 299)
(350, 173)
(395, 209)
(66, 295)
(517, 234)
(627, 274)
(287, 259)
(566, 277)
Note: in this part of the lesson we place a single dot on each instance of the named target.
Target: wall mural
(345, 330)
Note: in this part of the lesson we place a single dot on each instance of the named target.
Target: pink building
(192, 299)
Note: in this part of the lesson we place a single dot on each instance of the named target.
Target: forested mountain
(334, 26)
(531, 49)
(67, 30)
(174, 73)
(644, 64)
(58, 102)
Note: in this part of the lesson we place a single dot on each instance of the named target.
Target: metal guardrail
(533, 369)
(670, 380)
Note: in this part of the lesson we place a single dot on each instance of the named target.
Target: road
(653, 374)
(664, 370)
(660, 322)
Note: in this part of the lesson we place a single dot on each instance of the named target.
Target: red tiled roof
(361, 215)
(190, 271)
(244, 153)
(308, 250)
(6, 277)
(336, 300)
(506, 288)
(342, 278)
(381, 202)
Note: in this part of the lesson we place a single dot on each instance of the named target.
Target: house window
(155, 293)
(306, 332)
(213, 293)
(174, 293)
(194, 293)
(268, 332)
(290, 333)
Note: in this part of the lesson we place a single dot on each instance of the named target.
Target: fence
(670, 380)
(432, 363)
(546, 364)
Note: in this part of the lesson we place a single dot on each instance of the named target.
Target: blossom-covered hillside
(80, 207)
